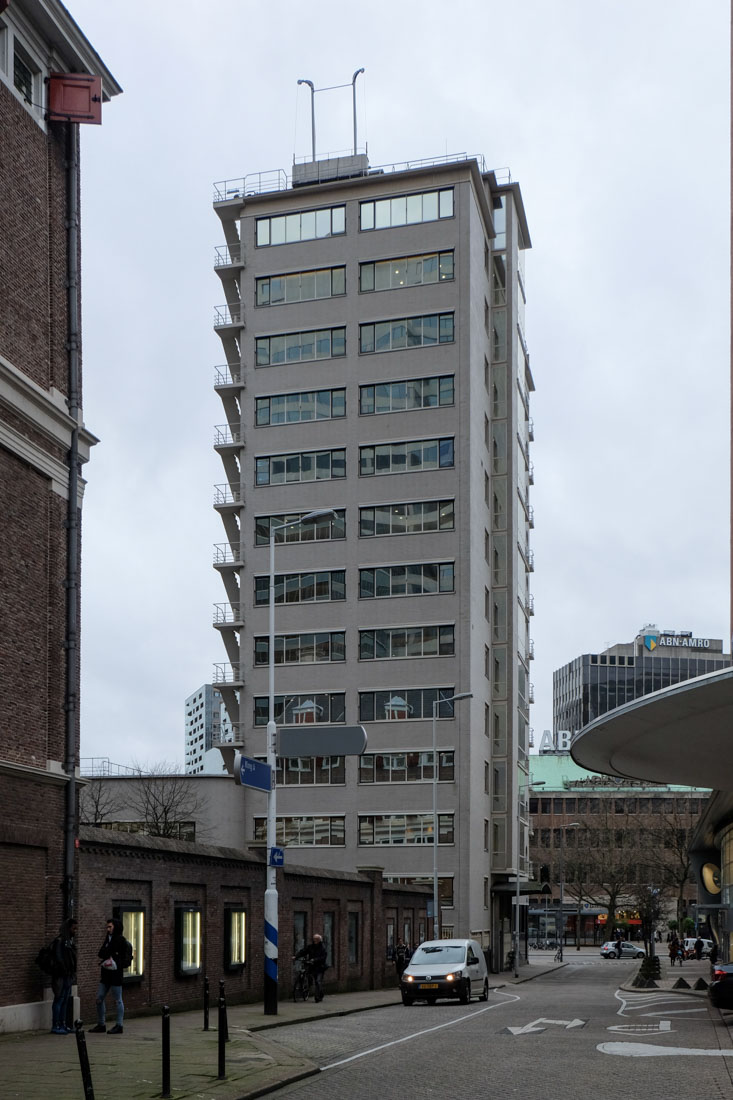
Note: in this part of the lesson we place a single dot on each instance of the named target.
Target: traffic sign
(315, 740)
(252, 773)
(277, 857)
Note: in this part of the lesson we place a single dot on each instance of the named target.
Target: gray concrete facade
(469, 578)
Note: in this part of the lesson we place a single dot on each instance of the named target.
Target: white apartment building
(206, 725)
(375, 364)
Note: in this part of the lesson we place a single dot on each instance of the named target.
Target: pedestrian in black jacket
(63, 975)
(112, 953)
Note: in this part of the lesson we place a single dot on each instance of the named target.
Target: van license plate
(428, 985)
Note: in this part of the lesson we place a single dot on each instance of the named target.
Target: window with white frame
(416, 579)
(300, 286)
(302, 649)
(300, 347)
(393, 829)
(424, 331)
(408, 456)
(303, 225)
(323, 529)
(404, 396)
(300, 466)
(312, 587)
(304, 832)
(296, 408)
(402, 704)
(431, 267)
(410, 518)
(405, 642)
(422, 206)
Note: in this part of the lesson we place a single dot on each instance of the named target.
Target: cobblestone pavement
(578, 1030)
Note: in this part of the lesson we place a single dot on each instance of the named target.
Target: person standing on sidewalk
(113, 954)
(63, 975)
(674, 948)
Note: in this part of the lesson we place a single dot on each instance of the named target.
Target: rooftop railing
(276, 179)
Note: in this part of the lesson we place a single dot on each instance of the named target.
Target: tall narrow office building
(376, 365)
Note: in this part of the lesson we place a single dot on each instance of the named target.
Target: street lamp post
(572, 825)
(271, 900)
(523, 787)
(436, 704)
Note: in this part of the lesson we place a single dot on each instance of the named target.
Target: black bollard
(223, 997)
(206, 1004)
(86, 1073)
(166, 1090)
(222, 1032)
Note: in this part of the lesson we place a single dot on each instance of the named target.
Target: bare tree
(165, 800)
(666, 850)
(98, 802)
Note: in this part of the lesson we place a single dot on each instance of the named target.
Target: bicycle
(303, 984)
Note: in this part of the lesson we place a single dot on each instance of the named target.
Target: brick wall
(33, 320)
(157, 875)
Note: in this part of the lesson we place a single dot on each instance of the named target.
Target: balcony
(224, 436)
(530, 517)
(227, 615)
(530, 560)
(226, 673)
(530, 694)
(228, 316)
(530, 429)
(225, 375)
(530, 473)
(530, 649)
(227, 497)
(228, 255)
(530, 605)
(226, 554)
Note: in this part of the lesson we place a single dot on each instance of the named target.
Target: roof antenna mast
(313, 107)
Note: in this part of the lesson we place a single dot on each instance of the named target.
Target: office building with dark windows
(594, 683)
(375, 364)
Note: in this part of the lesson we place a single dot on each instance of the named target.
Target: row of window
(375, 398)
(417, 579)
(386, 767)
(425, 330)
(656, 804)
(406, 456)
(374, 645)
(373, 829)
(330, 282)
(188, 939)
(330, 221)
(393, 705)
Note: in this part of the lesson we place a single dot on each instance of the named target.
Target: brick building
(43, 444)
(194, 910)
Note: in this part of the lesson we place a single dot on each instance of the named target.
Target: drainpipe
(71, 639)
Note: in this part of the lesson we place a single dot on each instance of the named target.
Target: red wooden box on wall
(74, 97)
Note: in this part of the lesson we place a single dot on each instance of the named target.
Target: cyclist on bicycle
(314, 956)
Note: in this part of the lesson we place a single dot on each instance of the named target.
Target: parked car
(720, 989)
(445, 968)
(689, 944)
(614, 949)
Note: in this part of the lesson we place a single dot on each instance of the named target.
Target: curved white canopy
(682, 734)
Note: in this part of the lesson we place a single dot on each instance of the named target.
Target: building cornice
(46, 411)
(67, 40)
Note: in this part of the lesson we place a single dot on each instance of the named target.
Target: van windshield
(453, 954)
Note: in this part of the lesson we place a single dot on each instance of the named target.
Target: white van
(689, 946)
(445, 968)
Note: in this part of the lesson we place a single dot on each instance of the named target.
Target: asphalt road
(569, 1035)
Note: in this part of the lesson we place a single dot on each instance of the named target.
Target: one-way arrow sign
(535, 1025)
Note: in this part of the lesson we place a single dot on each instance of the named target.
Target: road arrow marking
(535, 1025)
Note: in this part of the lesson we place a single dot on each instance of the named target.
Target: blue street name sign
(277, 857)
(252, 773)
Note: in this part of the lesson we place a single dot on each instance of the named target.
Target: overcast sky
(612, 116)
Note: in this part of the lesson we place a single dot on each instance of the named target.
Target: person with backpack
(116, 956)
(62, 963)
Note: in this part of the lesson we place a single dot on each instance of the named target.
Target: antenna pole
(313, 115)
(353, 88)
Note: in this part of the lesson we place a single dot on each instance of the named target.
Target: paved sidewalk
(34, 1065)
